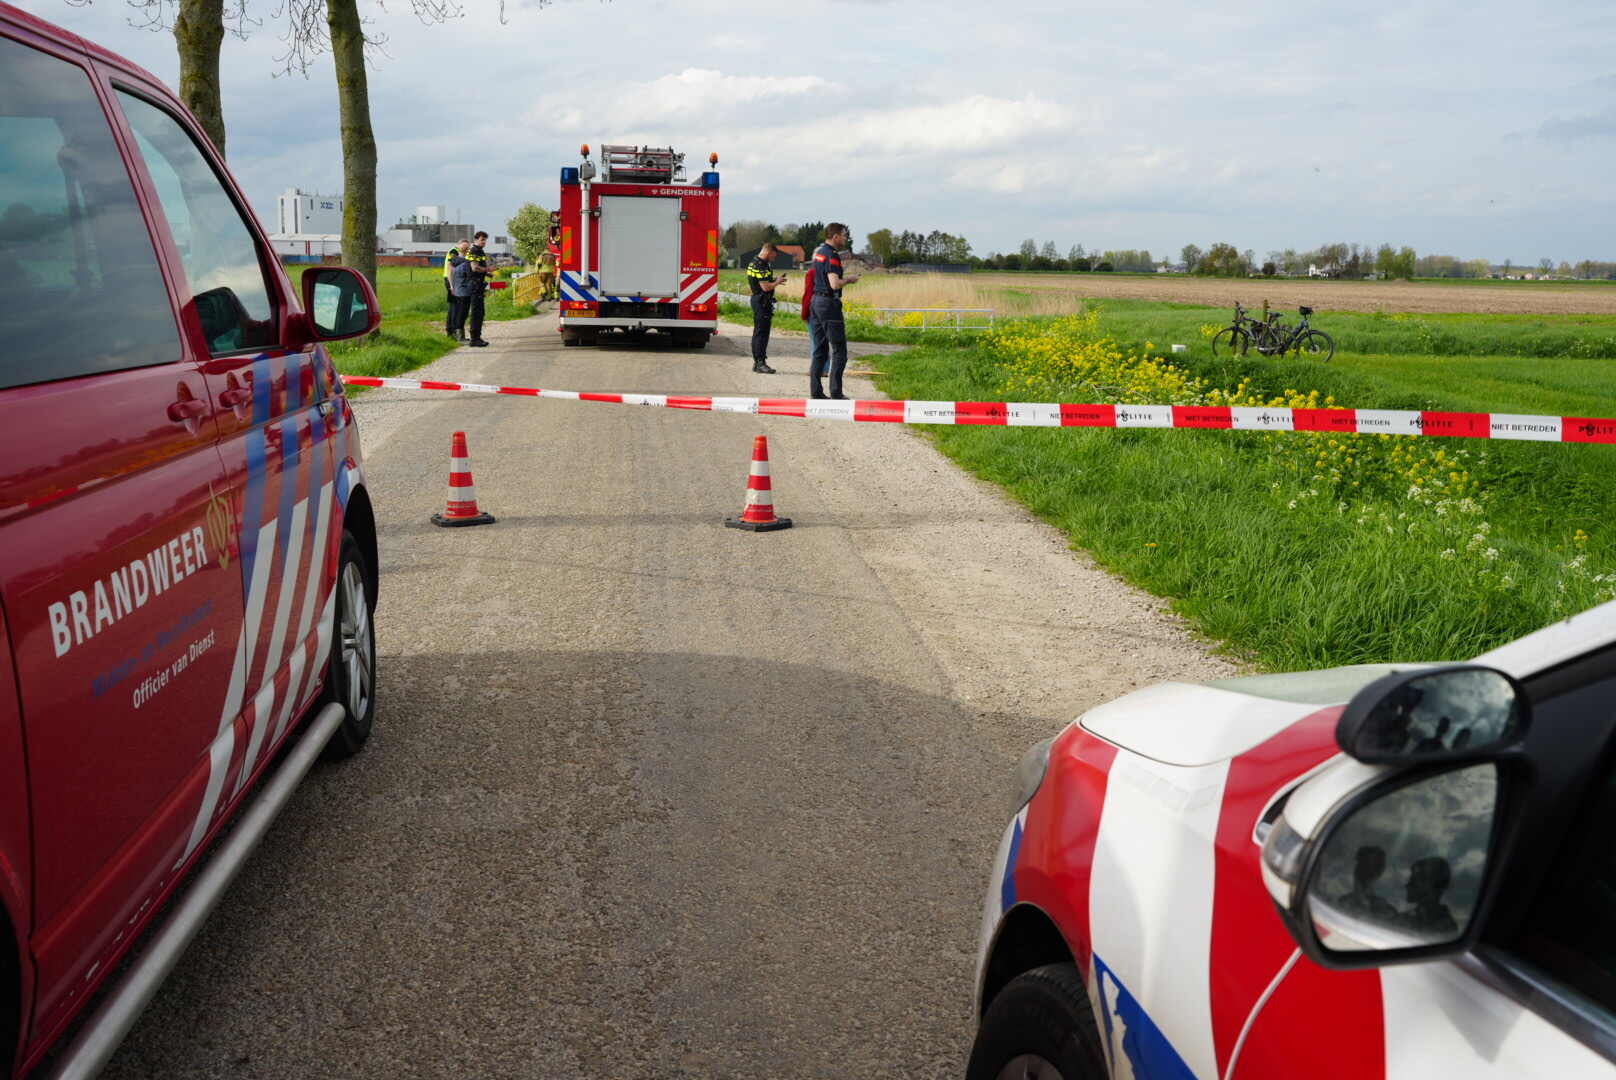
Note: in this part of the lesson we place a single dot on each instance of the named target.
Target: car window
(1571, 931)
(221, 260)
(81, 287)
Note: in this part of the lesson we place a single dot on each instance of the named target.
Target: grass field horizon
(412, 331)
(1300, 550)
(1017, 292)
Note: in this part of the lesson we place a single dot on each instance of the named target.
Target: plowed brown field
(1521, 298)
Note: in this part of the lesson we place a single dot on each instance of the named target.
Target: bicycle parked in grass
(1272, 337)
(1236, 338)
(1275, 338)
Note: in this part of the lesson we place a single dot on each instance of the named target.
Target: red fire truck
(639, 247)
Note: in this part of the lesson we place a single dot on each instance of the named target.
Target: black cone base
(758, 526)
(455, 523)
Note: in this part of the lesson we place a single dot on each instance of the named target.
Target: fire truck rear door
(639, 252)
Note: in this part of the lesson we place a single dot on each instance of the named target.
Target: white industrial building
(311, 226)
(304, 213)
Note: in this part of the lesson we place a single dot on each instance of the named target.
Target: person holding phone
(829, 332)
(760, 278)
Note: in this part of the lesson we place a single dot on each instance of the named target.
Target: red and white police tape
(1580, 429)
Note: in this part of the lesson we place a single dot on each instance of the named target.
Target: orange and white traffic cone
(462, 508)
(759, 513)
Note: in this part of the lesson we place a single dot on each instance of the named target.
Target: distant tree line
(916, 247)
(1336, 260)
(743, 238)
(1033, 256)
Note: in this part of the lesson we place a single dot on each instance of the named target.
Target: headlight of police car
(1030, 773)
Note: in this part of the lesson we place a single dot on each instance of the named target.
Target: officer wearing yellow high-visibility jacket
(760, 276)
(448, 292)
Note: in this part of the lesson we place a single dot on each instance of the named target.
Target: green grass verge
(1220, 523)
(411, 334)
(1572, 337)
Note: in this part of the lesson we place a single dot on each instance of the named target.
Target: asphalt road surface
(646, 796)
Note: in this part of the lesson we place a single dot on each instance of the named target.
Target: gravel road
(650, 797)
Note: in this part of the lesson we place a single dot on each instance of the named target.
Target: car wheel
(350, 678)
(1039, 1027)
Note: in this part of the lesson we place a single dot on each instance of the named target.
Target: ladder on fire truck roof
(641, 164)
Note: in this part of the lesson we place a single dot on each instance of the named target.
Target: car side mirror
(1372, 866)
(339, 303)
(1453, 713)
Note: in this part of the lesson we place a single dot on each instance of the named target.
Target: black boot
(762, 367)
(814, 391)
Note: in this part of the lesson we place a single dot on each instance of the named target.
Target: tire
(1230, 341)
(569, 337)
(1040, 1025)
(350, 678)
(1316, 345)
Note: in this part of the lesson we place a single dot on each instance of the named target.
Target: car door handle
(188, 409)
(235, 396)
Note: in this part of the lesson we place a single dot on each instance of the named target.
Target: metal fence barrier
(526, 288)
(936, 318)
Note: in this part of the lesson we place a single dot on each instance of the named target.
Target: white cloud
(1085, 121)
(676, 97)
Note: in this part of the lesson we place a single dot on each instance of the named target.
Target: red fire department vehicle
(187, 549)
(639, 247)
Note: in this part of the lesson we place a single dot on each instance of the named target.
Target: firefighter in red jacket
(828, 332)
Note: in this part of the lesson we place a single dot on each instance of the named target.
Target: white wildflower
(1449, 553)
(1490, 554)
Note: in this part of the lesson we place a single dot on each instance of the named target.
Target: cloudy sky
(1476, 128)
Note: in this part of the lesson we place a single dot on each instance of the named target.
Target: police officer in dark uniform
(830, 339)
(474, 303)
(760, 277)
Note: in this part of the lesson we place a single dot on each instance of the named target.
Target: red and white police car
(187, 549)
(1366, 872)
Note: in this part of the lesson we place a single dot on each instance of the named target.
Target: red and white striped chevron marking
(699, 287)
(1578, 429)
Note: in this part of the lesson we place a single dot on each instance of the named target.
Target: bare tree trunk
(198, 34)
(358, 141)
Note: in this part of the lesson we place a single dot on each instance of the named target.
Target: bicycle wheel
(1316, 345)
(1268, 340)
(1230, 341)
